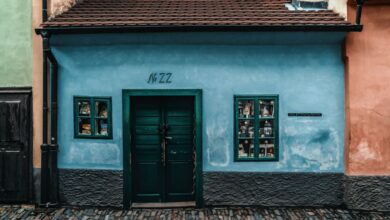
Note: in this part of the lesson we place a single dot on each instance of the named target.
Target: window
(256, 128)
(92, 117)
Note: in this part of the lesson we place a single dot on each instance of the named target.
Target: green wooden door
(163, 149)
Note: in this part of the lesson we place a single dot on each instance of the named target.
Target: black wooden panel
(15, 145)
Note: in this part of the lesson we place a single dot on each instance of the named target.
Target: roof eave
(219, 28)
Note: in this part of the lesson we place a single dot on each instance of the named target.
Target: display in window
(102, 109)
(267, 149)
(266, 128)
(246, 108)
(246, 129)
(246, 148)
(266, 108)
(101, 127)
(84, 108)
(84, 126)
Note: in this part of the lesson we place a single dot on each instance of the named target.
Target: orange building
(368, 109)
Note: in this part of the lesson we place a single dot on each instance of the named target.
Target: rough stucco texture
(369, 99)
(273, 189)
(306, 70)
(91, 187)
(15, 43)
(368, 192)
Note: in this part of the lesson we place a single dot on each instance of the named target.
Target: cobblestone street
(29, 212)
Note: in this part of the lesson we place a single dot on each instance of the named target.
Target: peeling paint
(218, 154)
(310, 146)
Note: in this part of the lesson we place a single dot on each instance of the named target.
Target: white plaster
(58, 7)
(218, 146)
(338, 6)
(365, 152)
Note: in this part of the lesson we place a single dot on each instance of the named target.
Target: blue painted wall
(304, 69)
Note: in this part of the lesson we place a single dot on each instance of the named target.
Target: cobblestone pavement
(29, 212)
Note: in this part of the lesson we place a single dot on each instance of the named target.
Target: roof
(195, 15)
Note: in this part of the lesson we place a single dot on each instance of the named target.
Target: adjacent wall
(367, 184)
(15, 44)
(369, 93)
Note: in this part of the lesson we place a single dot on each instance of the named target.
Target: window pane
(84, 126)
(267, 149)
(266, 128)
(101, 127)
(246, 108)
(101, 109)
(84, 108)
(246, 129)
(245, 148)
(266, 108)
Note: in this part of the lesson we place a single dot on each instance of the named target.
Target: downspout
(44, 147)
(359, 11)
(53, 147)
(44, 10)
(49, 169)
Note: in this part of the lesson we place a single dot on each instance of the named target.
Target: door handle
(168, 138)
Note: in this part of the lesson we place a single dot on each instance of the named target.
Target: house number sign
(160, 78)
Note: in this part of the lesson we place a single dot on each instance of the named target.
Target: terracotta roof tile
(111, 13)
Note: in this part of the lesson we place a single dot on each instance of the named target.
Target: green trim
(256, 120)
(92, 117)
(127, 143)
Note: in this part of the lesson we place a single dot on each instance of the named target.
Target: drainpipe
(44, 146)
(53, 147)
(49, 169)
(44, 10)
(359, 11)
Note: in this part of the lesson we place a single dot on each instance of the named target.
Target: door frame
(127, 94)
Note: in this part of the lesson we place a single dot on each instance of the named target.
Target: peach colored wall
(37, 83)
(368, 93)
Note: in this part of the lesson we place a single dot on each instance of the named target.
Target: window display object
(246, 148)
(267, 150)
(266, 108)
(84, 108)
(256, 134)
(266, 129)
(92, 122)
(246, 109)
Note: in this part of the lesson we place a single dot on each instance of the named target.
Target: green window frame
(256, 113)
(92, 117)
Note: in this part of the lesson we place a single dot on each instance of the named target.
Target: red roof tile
(194, 13)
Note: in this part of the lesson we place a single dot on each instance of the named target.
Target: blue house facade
(199, 118)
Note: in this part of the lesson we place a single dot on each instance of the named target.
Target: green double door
(163, 149)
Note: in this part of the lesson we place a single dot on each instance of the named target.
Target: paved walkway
(29, 212)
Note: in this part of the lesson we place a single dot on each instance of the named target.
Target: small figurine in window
(84, 108)
(102, 110)
(262, 152)
(267, 129)
(86, 129)
(264, 109)
(246, 146)
(103, 128)
(247, 110)
(251, 132)
(243, 131)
